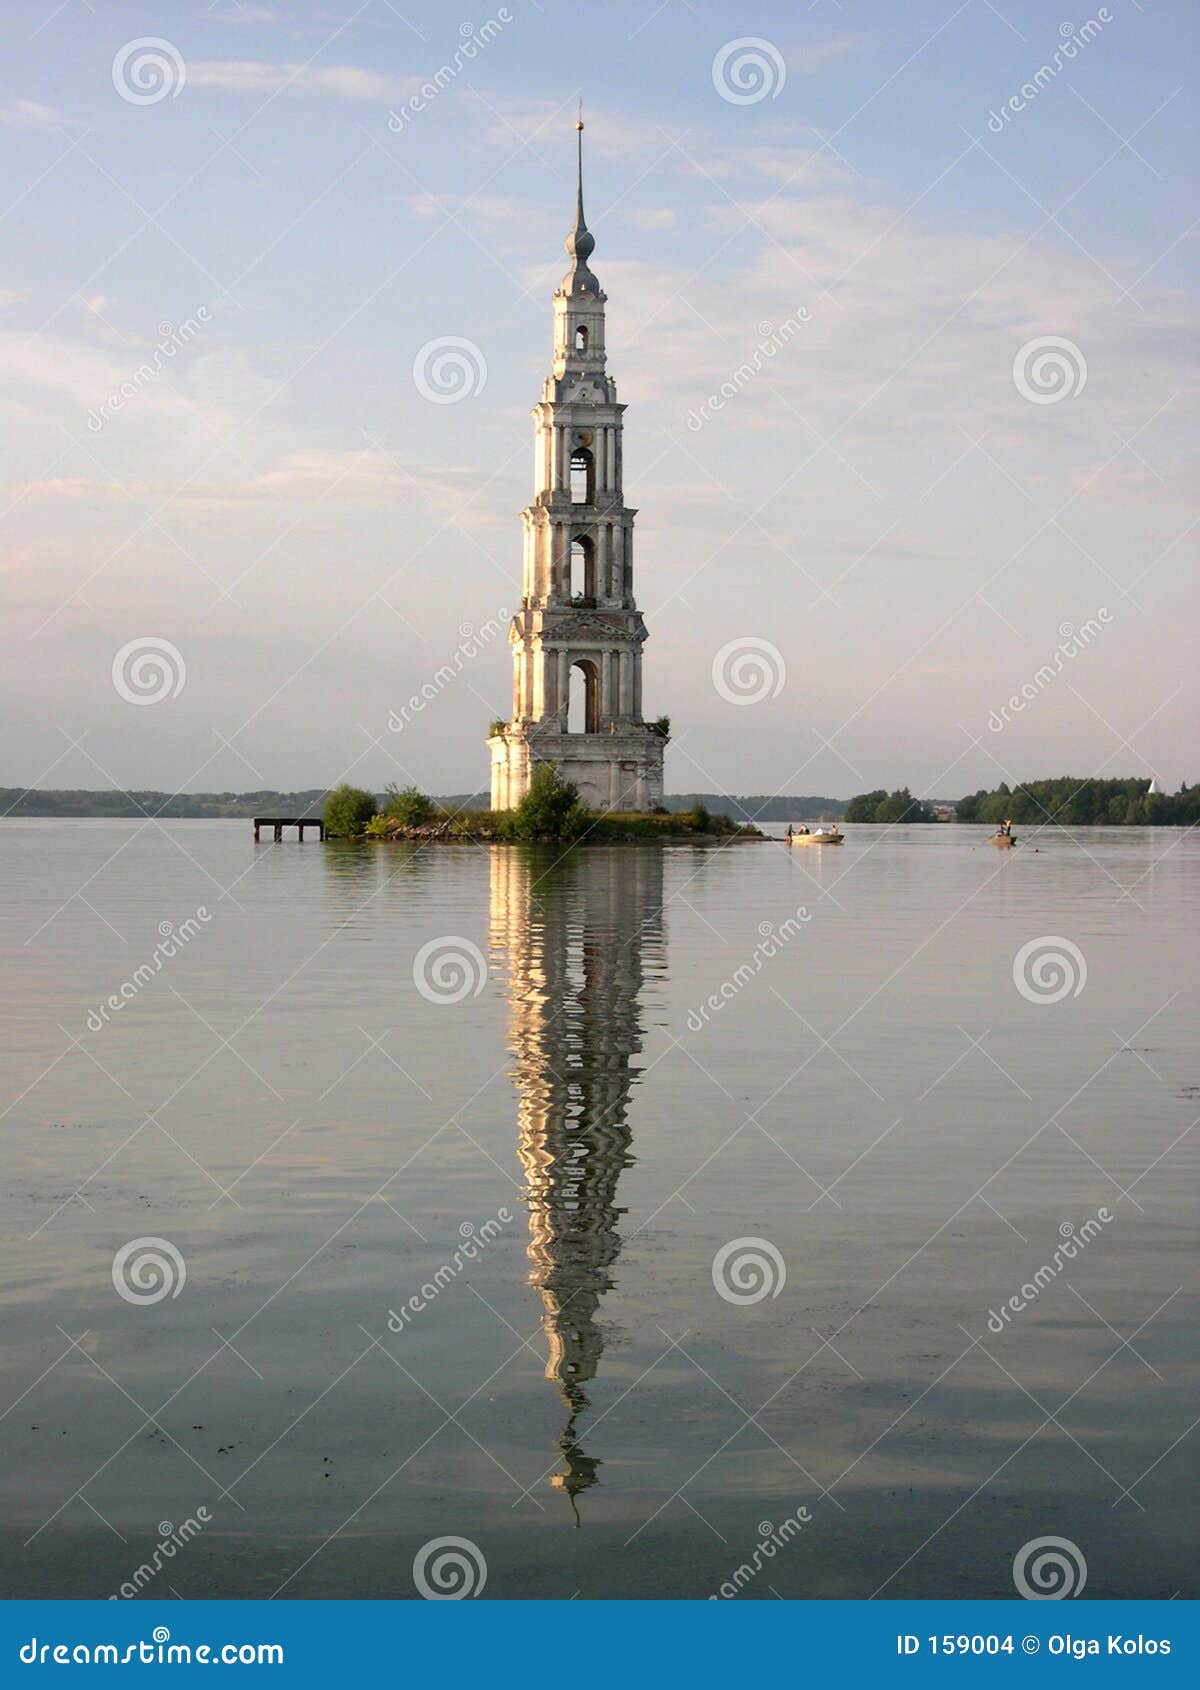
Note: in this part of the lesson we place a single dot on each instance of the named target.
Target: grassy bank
(496, 827)
(549, 813)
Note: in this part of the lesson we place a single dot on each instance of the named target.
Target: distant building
(577, 640)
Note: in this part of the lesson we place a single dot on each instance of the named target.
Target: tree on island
(550, 810)
(881, 806)
(408, 806)
(347, 811)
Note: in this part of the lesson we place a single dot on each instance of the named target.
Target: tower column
(564, 560)
(626, 684)
(563, 684)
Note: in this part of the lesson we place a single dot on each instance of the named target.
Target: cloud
(31, 114)
(237, 12)
(342, 82)
(904, 360)
(653, 217)
(815, 55)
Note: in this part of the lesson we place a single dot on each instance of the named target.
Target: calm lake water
(451, 1144)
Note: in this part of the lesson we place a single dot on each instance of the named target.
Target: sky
(937, 532)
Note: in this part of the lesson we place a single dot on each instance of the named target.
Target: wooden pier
(280, 822)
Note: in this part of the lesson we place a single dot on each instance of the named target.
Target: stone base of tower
(618, 771)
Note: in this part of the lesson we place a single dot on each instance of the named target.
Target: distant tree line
(170, 806)
(179, 806)
(1070, 802)
(881, 806)
(763, 807)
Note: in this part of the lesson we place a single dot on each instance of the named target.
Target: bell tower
(577, 640)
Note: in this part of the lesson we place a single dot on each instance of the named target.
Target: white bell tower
(577, 640)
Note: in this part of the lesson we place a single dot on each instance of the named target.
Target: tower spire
(580, 243)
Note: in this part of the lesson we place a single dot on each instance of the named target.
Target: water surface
(449, 1236)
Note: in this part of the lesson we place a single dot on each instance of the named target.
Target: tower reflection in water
(576, 930)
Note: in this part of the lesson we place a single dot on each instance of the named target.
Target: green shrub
(347, 811)
(407, 806)
(550, 810)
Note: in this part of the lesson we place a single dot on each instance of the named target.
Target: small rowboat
(1004, 840)
(820, 837)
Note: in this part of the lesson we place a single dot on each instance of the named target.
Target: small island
(550, 812)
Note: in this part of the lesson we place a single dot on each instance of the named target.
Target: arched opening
(583, 698)
(582, 580)
(583, 476)
(581, 338)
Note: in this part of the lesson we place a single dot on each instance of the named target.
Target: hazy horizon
(897, 521)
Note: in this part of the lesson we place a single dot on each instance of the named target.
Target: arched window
(583, 568)
(581, 338)
(583, 476)
(583, 698)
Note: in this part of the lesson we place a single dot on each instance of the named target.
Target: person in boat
(789, 833)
